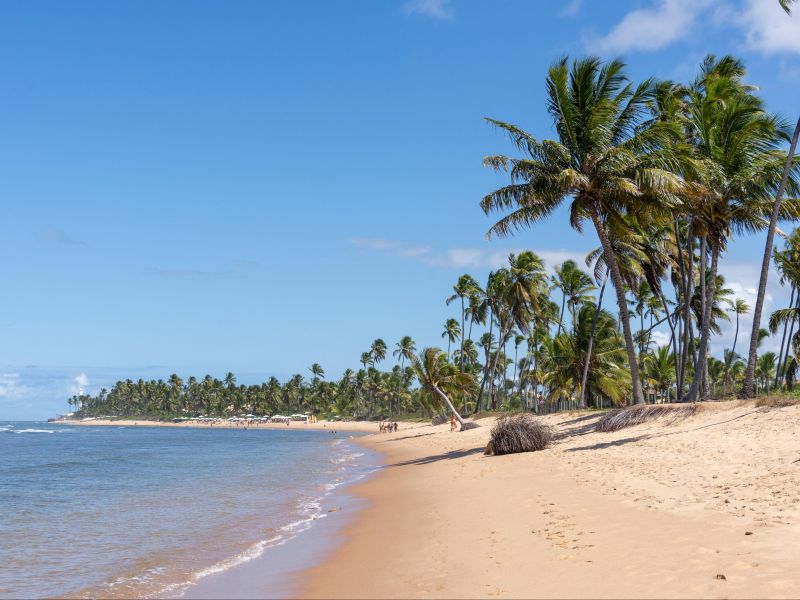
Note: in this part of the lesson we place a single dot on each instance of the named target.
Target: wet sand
(705, 507)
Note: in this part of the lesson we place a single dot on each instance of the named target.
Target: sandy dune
(706, 507)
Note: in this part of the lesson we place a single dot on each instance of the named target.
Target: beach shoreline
(597, 515)
(345, 426)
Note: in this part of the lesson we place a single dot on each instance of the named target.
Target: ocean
(146, 511)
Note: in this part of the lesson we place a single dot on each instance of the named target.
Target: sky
(202, 187)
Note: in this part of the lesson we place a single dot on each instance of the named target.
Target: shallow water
(132, 511)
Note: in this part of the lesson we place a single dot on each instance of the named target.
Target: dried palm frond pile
(518, 433)
(621, 418)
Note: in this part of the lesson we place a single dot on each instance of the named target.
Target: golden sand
(705, 507)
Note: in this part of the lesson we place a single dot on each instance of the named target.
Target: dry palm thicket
(634, 415)
(519, 433)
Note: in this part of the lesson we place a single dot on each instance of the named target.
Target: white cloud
(661, 337)
(768, 28)
(463, 257)
(648, 29)
(433, 9)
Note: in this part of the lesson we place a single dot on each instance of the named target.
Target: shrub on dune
(518, 433)
(621, 418)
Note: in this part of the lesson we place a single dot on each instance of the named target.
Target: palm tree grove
(661, 176)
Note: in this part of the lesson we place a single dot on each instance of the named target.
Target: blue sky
(199, 187)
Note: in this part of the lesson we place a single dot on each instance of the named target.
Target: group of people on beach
(388, 427)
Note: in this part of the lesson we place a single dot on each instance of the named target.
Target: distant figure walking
(452, 423)
(395, 426)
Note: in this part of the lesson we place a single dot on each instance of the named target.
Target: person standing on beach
(452, 423)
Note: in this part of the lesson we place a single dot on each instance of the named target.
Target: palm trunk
(672, 340)
(585, 376)
(461, 356)
(449, 404)
(500, 343)
(747, 388)
(561, 316)
(703, 302)
(622, 303)
(486, 366)
(789, 339)
(691, 395)
(687, 301)
(783, 339)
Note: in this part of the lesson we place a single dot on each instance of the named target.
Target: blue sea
(146, 511)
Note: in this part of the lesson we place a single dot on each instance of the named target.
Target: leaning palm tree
(747, 388)
(440, 378)
(609, 161)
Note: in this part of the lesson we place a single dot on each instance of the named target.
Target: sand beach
(703, 507)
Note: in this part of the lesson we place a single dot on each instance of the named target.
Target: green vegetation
(665, 175)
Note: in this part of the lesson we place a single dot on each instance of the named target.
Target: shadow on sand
(426, 460)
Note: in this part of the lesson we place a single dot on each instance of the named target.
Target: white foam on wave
(34, 431)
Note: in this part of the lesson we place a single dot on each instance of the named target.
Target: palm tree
(464, 288)
(574, 285)
(740, 307)
(609, 161)
(784, 316)
(438, 377)
(765, 368)
(659, 369)
(404, 349)
(582, 401)
(452, 332)
(317, 371)
(378, 350)
(747, 387)
(607, 376)
(738, 144)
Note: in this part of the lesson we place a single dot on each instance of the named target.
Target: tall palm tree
(452, 332)
(582, 400)
(404, 349)
(464, 288)
(574, 285)
(738, 142)
(747, 387)
(609, 160)
(740, 307)
(378, 350)
(438, 377)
